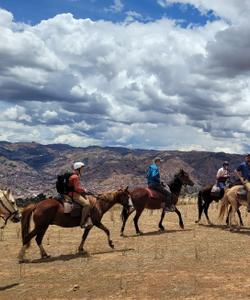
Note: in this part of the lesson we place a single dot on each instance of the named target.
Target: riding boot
(169, 207)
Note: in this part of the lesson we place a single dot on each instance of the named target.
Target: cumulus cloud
(231, 10)
(153, 85)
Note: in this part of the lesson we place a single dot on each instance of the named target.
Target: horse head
(184, 178)
(9, 207)
(123, 197)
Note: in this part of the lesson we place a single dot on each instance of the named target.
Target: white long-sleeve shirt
(222, 172)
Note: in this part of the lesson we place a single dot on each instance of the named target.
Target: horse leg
(161, 220)
(136, 218)
(125, 215)
(39, 238)
(105, 229)
(240, 218)
(227, 220)
(25, 245)
(206, 207)
(232, 218)
(180, 218)
(84, 236)
(200, 205)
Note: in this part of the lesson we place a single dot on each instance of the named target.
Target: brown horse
(232, 198)
(8, 208)
(51, 212)
(145, 198)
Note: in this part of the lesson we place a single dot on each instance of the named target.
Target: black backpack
(62, 183)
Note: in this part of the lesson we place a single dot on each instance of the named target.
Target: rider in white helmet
(78, 194)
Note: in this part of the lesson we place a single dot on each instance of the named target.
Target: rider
(243, 172)
(153, 178)
(78, 194)
(223, 175)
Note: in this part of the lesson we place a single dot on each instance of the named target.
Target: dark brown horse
(51, 212)
(144, 198)
(206, 197)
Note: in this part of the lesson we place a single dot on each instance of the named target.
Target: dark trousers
(166, 193)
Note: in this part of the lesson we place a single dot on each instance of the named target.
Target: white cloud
(153, 85)
(232, 10)
(116, 7)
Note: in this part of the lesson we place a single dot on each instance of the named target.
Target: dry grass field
(200, 262)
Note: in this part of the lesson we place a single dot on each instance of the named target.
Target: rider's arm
(239, 174)
(219, 174)
(77, 185)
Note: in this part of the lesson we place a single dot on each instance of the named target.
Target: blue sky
(135, 79)
(33, 11)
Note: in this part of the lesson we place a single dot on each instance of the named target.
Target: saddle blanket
(215, 189)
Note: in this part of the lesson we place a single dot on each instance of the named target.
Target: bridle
(10, 212)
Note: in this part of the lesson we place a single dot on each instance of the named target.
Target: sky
(153, 74)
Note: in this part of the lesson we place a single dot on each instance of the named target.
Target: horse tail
(25, 223)
(224, 206)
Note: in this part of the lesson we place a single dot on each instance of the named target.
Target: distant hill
(31, 168)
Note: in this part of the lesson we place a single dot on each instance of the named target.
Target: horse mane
(107, 196)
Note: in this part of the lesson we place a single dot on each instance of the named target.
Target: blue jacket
(153, 175)
(244, 168)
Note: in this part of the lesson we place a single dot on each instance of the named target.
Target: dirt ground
(199, 262)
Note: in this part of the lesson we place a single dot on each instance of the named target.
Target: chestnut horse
(145, 198)
(8, 208)
(51, 212)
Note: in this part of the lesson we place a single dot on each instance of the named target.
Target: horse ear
(126, 189)
(8, 191)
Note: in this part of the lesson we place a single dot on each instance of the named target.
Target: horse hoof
(45, 256)
(162, 229)
(111, 245)
(197, 221)
(139, 233)
(182, 226)
(83, 252)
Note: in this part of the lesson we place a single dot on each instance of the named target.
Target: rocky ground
(199, 262)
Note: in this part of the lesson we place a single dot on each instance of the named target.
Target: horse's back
(146, 197)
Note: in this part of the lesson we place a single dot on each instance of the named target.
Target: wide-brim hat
(158, 159)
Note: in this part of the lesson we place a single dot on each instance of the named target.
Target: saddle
(73, 208)
(155, 194)
(215, 191)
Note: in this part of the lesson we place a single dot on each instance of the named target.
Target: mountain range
(31, 168)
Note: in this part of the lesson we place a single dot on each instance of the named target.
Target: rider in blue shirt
(243, 172)
(154, 182)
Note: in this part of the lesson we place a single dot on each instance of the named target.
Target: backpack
(62, 183)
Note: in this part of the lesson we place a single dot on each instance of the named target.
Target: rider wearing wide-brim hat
(78, 192)
(154, 182)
